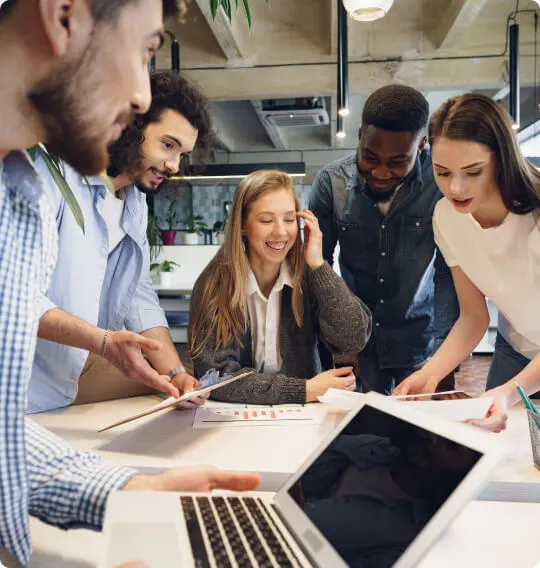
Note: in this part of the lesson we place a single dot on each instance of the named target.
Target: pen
(402, 396)
(526, 399)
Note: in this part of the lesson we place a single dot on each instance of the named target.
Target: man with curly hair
(101, 283)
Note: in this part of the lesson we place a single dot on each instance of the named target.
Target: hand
(417, 383)
(184, 382)
(497, 414)
(341, 378)
(312, 239)
(125, 351)
(194, 479)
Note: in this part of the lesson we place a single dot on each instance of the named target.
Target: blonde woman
(265, 300)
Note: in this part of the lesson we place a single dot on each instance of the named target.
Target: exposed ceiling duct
(284, 113)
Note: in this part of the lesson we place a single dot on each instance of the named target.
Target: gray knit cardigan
(332, 314)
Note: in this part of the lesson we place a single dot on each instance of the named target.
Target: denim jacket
(389, 261)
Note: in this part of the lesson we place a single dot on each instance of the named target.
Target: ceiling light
(367, 10)
(205, 178)
(345, 111)
(238, 171)
(340, 134)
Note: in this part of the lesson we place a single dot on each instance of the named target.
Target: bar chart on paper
(235, 415)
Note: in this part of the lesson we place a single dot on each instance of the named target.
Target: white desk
(475, 538)
(167, 440)
(492, 534)
(498, 535)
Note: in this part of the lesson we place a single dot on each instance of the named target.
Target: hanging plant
(227, 8)
(54, 165)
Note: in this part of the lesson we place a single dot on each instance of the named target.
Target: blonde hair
(222, 306)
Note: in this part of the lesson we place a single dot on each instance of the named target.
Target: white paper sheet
(249, 415)
(453, 410)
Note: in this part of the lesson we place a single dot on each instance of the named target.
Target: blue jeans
(506, 364)
(373, 378)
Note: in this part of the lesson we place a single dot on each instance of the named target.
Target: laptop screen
(378, 484)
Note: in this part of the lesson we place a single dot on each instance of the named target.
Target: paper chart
(215, 417)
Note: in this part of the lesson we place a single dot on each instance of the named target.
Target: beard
(126, 157)
(152, 190)
(381, 196)
(72, 131)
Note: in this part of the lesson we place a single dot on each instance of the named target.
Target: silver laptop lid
(384, 486)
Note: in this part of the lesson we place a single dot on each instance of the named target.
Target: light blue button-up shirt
(112, 291)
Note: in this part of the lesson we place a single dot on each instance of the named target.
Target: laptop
(377, 492)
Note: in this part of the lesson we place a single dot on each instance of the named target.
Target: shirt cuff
(100, 483)
(144, 319)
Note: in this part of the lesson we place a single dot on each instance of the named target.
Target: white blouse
(264, 315)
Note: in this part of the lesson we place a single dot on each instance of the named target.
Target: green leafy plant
(153, 234)
(54, 165)
(170, 216)
(227, 8)
(195, 224)
(219, 226)
(165, 266)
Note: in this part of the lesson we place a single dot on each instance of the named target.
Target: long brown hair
(222, 306)
(479, 118)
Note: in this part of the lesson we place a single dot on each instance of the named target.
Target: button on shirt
(389, 255)
(39, 473)
(264, 316)
(111, 290)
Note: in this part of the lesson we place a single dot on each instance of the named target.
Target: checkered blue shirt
(39, 473)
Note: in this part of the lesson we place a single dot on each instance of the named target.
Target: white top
(112, 213)
(503, 263)
(384, 206)
(264, 314)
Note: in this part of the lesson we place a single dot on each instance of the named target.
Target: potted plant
(168, 235)
(193, 228)
(219, 232)
(164, 270)
(219, 226)
(153, 234)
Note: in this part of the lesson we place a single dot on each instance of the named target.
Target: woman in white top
(266, 300)
(487, 229)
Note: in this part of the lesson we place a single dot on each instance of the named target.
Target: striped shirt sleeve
(68, 488)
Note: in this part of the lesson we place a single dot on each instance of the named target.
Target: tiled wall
(206, 200)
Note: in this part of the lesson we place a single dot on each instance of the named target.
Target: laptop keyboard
(235, 532)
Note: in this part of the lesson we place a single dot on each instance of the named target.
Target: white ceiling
(291, 52)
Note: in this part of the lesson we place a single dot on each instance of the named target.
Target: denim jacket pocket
(416, 239)
(358, 243)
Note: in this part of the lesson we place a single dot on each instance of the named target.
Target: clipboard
(172, 402)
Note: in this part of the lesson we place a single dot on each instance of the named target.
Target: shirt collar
(19, 172)
(284, 279)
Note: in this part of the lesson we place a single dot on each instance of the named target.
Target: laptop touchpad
(155, 543)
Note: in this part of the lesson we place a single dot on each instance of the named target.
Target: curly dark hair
(398, 108)
(170, 90)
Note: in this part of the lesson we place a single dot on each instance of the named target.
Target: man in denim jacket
(378, 206)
